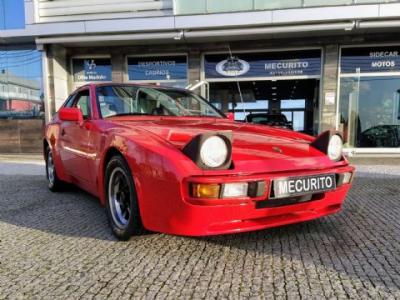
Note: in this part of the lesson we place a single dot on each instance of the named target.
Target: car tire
(122, 206)
(54, 183)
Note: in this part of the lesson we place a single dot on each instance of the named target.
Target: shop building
(323, 64)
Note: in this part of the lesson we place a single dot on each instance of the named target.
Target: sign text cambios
(157, 68)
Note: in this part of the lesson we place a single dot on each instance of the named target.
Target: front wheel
(54, 183)
(121, 200)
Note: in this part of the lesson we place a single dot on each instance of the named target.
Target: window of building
(21, 92)
(187, 7)
(12, 14)
(284, 83)
(369, 107)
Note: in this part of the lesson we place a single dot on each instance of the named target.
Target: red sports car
(166, 160)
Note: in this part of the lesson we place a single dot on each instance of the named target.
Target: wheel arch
(46, 145)
(108, 155)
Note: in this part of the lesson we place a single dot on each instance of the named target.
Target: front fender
(51, 138)
(154, 163)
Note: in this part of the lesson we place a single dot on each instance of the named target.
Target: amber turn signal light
(206, 190)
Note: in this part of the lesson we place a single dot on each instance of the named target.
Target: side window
(146, 103)
(70, 101)
(82, 101)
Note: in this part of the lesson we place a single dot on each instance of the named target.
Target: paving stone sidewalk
(59, 246)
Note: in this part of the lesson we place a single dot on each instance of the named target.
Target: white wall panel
(73, 10)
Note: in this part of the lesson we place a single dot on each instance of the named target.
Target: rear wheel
(54, 183)
(121, 200)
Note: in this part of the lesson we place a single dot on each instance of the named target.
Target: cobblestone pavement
(56, 246)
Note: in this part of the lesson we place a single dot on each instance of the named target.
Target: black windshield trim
(129, 114)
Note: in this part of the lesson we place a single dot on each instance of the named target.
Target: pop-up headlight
(211, 150)
(330, 143)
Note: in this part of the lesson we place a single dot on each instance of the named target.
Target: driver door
(75, 140)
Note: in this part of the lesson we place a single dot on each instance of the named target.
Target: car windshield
(132, 100)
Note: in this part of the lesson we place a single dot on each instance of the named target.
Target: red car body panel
(152, 147)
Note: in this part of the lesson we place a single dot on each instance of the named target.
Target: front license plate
(297, 186)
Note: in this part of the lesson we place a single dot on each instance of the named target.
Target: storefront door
(369, 105)
(297, 100)
(280, 85)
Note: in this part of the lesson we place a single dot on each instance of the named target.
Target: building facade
(323, 64)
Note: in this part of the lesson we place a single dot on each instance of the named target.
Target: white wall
(73, 10)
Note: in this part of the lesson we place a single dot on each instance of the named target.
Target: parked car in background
(165, 160)
(380, 136)
(276, 120)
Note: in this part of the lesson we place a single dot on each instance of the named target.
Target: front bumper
(241, 215)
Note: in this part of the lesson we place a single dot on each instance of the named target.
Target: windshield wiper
(129, 114)
(153, 115)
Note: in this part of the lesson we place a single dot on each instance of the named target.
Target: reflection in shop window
(21, 92)
(252, 99)
(369, 111)
(294, 110)
(243, 109)
(292, 104)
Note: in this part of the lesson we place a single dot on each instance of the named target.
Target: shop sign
(91, 69)
(233, 67)
(330, 98)
(157, 68)
(264, 64)
(370, 60)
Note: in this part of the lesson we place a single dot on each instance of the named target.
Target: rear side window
(82, 101)
(70, 101)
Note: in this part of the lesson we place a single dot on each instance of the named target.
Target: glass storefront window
(21, 88)
(271, 83)
(369, 115)
(159, 70)
(91, 69)
(187, 7)
(243, 109)
(370, 111)
(296, 99)
(298, 103)
(226, 97)
(294, 110)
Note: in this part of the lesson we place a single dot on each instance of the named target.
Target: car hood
(255, 147)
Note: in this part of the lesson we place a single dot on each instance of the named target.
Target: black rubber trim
(272, 203)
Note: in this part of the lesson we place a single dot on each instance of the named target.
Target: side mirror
(230, 116)
(70, 114)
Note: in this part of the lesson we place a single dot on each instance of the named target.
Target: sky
(12, 14)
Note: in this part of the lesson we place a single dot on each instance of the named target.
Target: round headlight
(335, 148)
(214, 152)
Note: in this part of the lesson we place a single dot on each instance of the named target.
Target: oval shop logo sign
(233, 67)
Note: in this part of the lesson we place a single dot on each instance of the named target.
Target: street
(60, 246)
